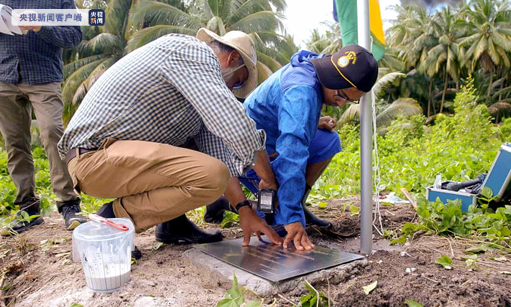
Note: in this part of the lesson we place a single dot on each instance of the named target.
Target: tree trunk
(445, 90)
(501, 87)
(430, 98)
(489, 87)
(457, 85)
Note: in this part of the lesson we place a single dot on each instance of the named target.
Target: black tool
(267, 201)
(456, 186)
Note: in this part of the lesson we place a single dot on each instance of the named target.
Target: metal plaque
(273, 262)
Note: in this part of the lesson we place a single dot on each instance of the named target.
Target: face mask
(228, 72)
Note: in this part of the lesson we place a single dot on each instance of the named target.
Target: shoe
(72, 216)
(28, 216)
(106, 211)
(137, 254)
(311, 219)
(214, 212)
(182, 231)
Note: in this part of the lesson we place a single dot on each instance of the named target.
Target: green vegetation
(235, 297)
(411, 154)
(437, 50)
(43, 188)
(133, 23)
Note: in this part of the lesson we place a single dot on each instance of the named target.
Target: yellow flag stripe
(376, 22)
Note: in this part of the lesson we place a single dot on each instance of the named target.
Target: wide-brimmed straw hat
(241, 42)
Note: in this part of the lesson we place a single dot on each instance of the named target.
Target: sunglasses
(340, 95)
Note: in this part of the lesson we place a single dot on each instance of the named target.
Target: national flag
(345, 12)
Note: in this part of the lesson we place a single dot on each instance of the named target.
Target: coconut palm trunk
(445, 90)
(430, 98)
(490, 86)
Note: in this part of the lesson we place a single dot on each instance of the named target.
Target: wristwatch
(243, 204)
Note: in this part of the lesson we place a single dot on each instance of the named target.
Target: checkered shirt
(36, 58)
(167, 92)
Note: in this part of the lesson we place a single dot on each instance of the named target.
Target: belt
(73, 152)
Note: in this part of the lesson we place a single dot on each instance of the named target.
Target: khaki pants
(16, 104)
(153, 182)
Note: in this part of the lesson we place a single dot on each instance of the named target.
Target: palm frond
(268, 61)
(350, 114)
(402, 106)
(156, 13)
(105, 43)
(501, 92)
(117, 12)
(499, 107)
(216, 25)
(147, 35)
(385, 80)
(215, 7)
(263, 72)
(74, 80)
(501, 41)
(73, 66)
(260, 21)
(242, 9)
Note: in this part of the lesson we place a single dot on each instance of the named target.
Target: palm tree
(444, 57)
(329, 42)
(412, 34)
(134, 23)
(411, 37)
(99, 49)
(388, 113)
(490, 44)
(254, 17)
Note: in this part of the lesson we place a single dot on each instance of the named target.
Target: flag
(345, 12)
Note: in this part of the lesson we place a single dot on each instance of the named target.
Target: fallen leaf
(444, 261)
(476, 249)
(411, 303)
(157, 246)
(63, 255)
(371, 287)
(501, 259)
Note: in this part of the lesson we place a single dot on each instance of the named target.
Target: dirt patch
(39, 271)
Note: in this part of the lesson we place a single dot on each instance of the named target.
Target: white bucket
(105, 253)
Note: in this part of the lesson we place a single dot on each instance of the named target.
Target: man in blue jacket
(30, 79)
(287, 106)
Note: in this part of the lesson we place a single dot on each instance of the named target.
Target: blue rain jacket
(287, 106)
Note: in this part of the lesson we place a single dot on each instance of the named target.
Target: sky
(304, 16)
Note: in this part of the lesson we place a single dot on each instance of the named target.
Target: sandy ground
(38, 270)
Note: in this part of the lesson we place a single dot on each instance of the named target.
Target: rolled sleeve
(195, 71)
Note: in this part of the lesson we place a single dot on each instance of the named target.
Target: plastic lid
(94, 231)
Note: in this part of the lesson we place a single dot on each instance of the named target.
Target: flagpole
(364, 40)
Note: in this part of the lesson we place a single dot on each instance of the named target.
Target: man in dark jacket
(30, 79)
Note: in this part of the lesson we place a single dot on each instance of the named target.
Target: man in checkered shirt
(30, 79)
(126, 139)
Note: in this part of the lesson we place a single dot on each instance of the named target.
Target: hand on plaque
(296, 232)
(250, 222)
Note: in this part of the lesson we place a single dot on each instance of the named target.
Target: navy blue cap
(352, 66)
